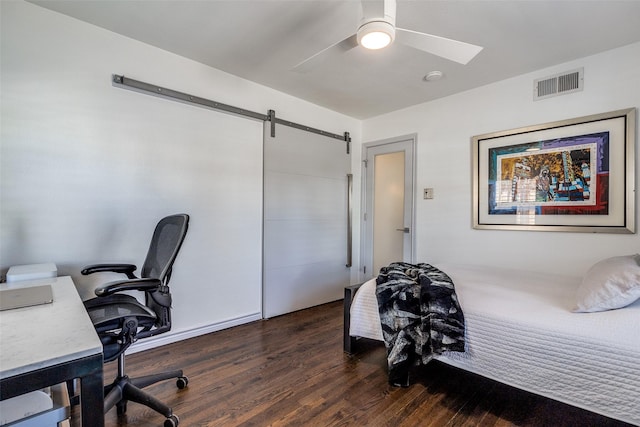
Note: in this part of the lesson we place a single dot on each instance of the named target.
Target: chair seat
(108, 300)
(108, 317)
(110, 313)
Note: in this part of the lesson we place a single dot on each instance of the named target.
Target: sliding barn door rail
(163, 92)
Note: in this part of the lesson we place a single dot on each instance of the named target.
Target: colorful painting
(566, 176)
(575, 175)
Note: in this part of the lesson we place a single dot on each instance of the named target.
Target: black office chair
(120, 319)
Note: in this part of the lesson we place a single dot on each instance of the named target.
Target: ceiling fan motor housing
(376, 34)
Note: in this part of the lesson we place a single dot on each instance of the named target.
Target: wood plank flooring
(291, 371)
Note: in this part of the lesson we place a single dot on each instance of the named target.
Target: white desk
(52, 343)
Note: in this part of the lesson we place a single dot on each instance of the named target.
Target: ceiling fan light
(376, 34)
(375, 40)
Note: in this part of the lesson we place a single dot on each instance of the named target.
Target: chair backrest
(163, 250)
(165, 245)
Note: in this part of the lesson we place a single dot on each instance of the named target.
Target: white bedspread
(520, 331)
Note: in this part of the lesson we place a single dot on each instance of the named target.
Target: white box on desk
(19, 273)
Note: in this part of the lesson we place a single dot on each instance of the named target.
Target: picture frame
(575, 175)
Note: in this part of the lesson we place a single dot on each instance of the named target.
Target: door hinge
(364, 217)
(364, 269)
(366, 163)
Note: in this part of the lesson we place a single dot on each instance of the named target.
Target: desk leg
(92, 396)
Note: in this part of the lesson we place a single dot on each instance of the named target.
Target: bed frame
(349, 342)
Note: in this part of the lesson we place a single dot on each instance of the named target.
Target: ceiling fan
(378, 30)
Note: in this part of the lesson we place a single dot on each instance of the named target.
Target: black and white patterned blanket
(420, 316)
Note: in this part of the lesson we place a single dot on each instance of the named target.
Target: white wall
(445, 127)
(87, 169)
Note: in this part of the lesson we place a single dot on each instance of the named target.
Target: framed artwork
(573, 175)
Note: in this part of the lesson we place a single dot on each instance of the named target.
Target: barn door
(305, 220)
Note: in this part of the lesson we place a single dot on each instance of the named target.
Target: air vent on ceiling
(559, 84)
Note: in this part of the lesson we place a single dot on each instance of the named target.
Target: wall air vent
(559, 84)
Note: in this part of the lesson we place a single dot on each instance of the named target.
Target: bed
(521, 330)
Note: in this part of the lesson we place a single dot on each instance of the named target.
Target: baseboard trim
(165, 339)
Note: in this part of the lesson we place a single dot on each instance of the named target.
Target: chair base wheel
(172, 421)
(182, 382)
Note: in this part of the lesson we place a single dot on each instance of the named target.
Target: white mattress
(520, 331)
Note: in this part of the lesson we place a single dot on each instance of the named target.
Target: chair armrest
(127, 269)
(146, 284)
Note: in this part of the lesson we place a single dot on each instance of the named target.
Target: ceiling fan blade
(450, 49)
(335, 49)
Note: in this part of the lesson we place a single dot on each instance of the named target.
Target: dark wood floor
(291, 371)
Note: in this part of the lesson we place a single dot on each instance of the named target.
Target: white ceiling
(261, 40)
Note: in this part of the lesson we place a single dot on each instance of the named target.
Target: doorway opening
(388, 203)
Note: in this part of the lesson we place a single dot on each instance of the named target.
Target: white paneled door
(305, 220)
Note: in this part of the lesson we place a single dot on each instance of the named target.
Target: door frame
(366, 242)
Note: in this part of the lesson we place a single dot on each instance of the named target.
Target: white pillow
(609, 284)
